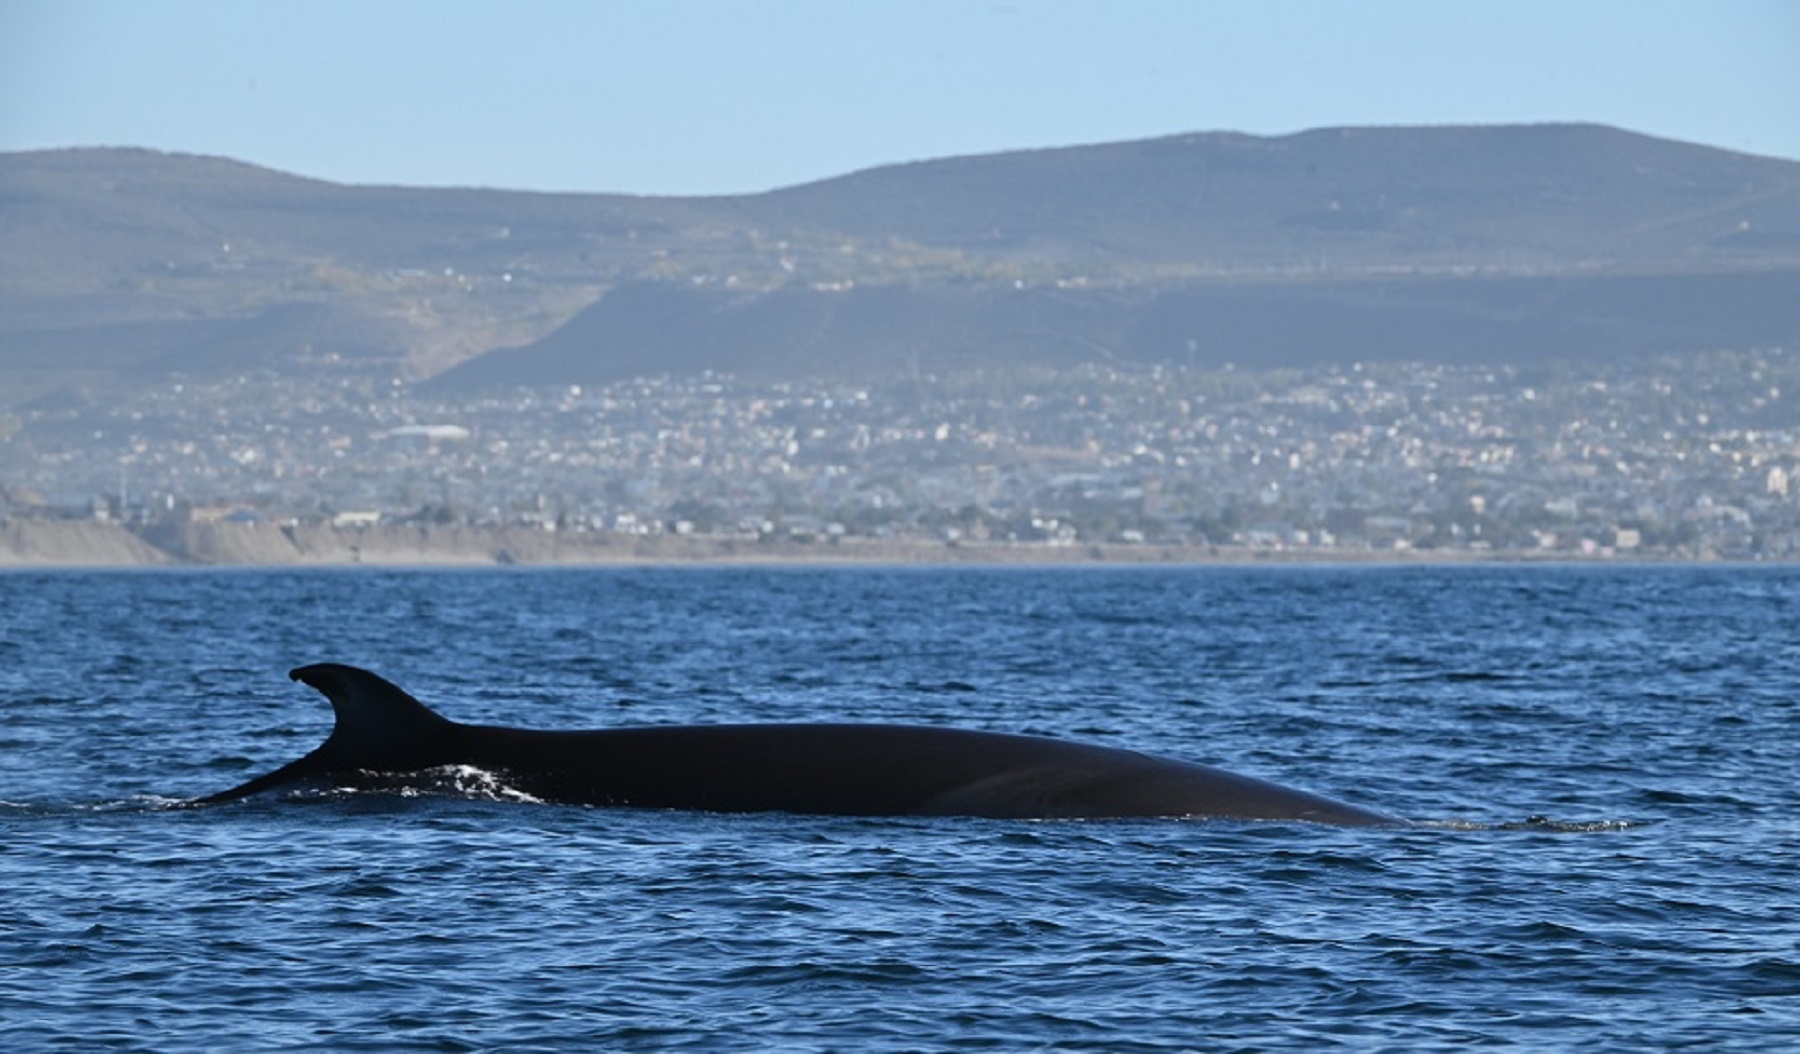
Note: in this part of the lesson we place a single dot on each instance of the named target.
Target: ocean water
(1602, 761)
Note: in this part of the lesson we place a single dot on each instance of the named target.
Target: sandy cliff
(79, 543)
(85, 543)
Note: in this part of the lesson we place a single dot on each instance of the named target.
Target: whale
(384, 739)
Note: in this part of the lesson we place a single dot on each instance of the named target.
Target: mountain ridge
(212, 263)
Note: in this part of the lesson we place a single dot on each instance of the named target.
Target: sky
(738, 96)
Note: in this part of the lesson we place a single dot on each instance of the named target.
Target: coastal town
(1689, 458)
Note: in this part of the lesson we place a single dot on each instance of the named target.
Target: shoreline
(93, 544)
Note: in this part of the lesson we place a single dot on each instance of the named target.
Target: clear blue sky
(711, 96)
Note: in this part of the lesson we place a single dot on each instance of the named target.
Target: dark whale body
(382, 733)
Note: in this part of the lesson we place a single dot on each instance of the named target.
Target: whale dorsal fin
(378, 724)
(379, 728)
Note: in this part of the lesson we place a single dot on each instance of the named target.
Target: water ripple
(1604, 756)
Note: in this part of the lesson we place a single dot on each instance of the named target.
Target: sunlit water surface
(1605, 758)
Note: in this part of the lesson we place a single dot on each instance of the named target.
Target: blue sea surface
(1602, 760)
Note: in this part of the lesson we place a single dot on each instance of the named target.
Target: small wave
(465, 782)
(1538, 823)
(138, 804)
(1473, 676)
(148, 803)
(449, 781)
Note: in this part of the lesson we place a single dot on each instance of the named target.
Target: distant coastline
(49, 544)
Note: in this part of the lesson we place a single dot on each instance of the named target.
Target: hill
(1511, 198)
(129, 266)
